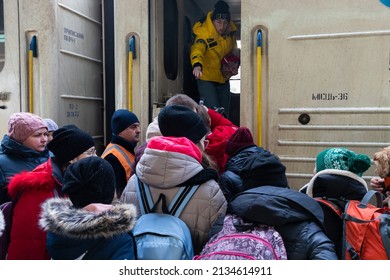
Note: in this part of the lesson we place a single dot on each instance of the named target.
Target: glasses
(90, 152)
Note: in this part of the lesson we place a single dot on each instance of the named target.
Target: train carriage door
(9, 62)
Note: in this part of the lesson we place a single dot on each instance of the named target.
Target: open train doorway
(171, 71)
(195, 11)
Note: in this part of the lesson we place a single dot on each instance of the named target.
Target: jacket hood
(37, 180)
(153, 129)
(170, 163)
(236, 162)
(276, 206)
(60, 217)
(334, 183)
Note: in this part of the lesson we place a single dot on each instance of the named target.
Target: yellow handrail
(32, 52)
(259, 85)
(130, 72)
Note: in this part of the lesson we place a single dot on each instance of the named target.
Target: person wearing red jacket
(221, 129)
(29, 190)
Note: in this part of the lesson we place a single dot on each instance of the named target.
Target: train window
(2, 37)
(171, 27)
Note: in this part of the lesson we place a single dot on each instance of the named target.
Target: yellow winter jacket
(209, 48)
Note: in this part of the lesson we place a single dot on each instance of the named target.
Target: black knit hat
(239, 140)
(221, 11)
(180, 121)
(263, 169)
(122, 119)
(89, 180)
(69, 142)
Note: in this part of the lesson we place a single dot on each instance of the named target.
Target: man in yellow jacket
(214, 39)
(119, 152)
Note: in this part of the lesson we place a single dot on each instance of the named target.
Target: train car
(51, 62)
(313, 74)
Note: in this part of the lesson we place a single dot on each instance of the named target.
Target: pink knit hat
(22, 125)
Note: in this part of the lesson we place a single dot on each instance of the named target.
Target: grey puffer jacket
(74, 233)
(169, 162)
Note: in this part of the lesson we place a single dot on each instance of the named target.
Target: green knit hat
(342, 159)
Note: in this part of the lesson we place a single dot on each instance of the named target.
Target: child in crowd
(85, 225)
(267, 199)
(338, 177)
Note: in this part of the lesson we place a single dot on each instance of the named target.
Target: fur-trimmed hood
(2, 223)
(40, 179)
(60, 217)
(337, 183)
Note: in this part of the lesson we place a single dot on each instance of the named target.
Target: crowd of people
(70, 203)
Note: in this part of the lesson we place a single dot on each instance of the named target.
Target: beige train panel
(9, 75)
(329, 54)
(80, 82)
(69, 61)
(131, 20)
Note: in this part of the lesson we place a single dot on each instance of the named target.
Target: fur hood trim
(309, 190)
(30, 180)
(2, 223)
(60, 217)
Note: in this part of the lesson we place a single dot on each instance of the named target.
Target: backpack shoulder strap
(180, 200)
(144, 197)
(175, 207)
(367, 198)
(329, 204)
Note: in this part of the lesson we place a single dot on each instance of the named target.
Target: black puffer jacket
(230, 181)
(297, 217)
(339, 186)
